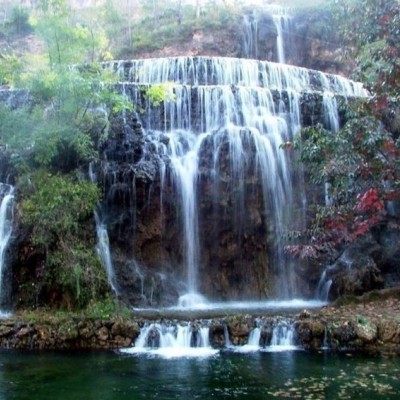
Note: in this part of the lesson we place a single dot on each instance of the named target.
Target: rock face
(355, 271)
(309, 40)
(67, 335)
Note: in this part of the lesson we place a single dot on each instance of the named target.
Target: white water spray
(172, 341)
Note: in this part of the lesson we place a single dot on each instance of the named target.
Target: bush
(59, 212)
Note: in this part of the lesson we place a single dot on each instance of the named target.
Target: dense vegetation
(51, 141)
(360, 163)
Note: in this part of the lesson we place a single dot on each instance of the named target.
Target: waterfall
(283, 24)
(169, 340)
(253, 342)
(220, 141)
(323, 287)
(6, 221)
(185, 165)
(282, 337)
(250, 39)
(103, 250)
(254, 37)
(330, 109)
(103, 243)
(227, 340)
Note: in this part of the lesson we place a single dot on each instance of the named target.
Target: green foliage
(372, 28)
(55, 205)
(69, 121)
(10, 68)
(360, 164)
(59, 211)
(16, 22)
(358, 156)
(160, 93)
(69, 38)
(106, 309)
(360, 167)
(57, 132)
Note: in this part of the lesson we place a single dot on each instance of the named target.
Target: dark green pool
(114, 376)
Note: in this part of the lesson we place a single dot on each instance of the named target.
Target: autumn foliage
(359, 165)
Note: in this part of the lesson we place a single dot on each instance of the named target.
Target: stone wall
(70, 334)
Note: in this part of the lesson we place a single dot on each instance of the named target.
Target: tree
(59, 211)
(372, 28)
(359, 165)
(52, 140)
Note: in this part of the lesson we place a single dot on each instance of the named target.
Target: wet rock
(355, 271)
(239, 329)
(218, 330)
(266, 333)
(6, 331)
(153, 338)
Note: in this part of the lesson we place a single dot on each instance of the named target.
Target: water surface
(227, 375)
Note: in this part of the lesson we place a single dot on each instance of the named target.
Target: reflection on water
(228, 375)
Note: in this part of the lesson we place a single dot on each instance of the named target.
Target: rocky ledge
(66, 334)
(370, 324)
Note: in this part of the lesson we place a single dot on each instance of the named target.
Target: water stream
(6, 225)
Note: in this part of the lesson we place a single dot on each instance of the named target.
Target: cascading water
(170, 340)
(253, 342)
(6, 221)
(282, 337)
(103, 243)
(103, 250)
(283, 23)
(255, 32)
(323, 287)
(250, 36)
(220, 139)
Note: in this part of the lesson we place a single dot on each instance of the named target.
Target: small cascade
(250, 36)
(227, 340)
(330, 108)
(258, 26)
(103, 243)
(171, 341)
(103, 251)
(253, 342)
(323, 287)
(283, 24)
(6, 222)
(282, 337)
